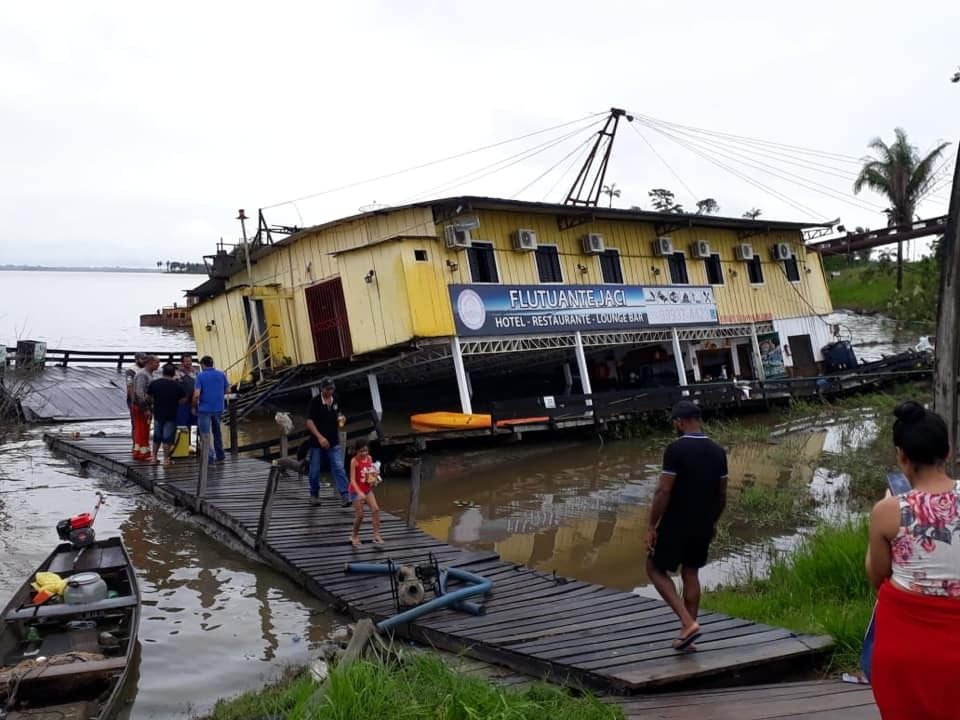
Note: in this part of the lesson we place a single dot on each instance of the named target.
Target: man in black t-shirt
(323, 421)
(690, 498)
(167, 395)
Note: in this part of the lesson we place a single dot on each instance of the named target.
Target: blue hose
(455, 599)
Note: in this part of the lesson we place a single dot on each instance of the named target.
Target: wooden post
(232, 414)
(284, 445)
(948, 315)
(422, 470)
(120, 363)
(204, 457)
(266, 508)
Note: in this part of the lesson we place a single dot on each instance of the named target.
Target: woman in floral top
(913, 559)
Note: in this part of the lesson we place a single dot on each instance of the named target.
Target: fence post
(120, 363)
(203, 457)
(421, 470)
(284, 445)
(232, 415)
(273, 482)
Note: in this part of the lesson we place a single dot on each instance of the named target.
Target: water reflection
(582, 511)
(213, 623)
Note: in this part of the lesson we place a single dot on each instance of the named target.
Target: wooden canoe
(86, 649)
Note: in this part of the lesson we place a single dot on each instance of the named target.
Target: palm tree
(899, 173)
(610, 191)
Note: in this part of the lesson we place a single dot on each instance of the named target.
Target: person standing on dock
(130, 373)
(186, 376)
(168, 397)
(209, 401)
(324, 420)
(142, 408)
(689, 500)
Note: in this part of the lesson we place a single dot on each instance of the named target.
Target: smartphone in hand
(898, 483)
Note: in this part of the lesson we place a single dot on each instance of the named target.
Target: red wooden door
(328, 321)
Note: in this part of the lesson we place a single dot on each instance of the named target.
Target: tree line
(175, 266)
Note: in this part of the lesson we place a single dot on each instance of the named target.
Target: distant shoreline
(44, 268)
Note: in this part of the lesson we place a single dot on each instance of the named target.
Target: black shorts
(681, 546)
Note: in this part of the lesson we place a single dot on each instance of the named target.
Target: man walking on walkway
(323, 421)
(209, 391)
(690, 498)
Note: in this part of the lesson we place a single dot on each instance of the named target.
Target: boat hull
(87, 648)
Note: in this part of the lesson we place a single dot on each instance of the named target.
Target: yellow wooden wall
(409, 298)
(226, 341)
(312, 258)
(737, 300)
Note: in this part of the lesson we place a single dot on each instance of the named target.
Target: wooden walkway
(816, 700)
(565, 630)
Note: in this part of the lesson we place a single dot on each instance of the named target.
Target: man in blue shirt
(209, 390)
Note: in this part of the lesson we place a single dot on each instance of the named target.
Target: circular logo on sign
(471, 310)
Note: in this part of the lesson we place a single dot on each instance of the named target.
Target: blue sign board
(493, 310)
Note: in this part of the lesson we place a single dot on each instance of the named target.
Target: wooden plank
(534, 623)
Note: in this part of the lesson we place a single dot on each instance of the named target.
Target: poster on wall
(492, 310)
(771, 355)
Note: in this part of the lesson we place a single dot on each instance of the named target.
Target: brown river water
(216, 622)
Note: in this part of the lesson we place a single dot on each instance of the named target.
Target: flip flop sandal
(684, 642)
(356, 542)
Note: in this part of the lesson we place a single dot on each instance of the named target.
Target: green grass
(821, 587)
(862, 289)
(420, 687)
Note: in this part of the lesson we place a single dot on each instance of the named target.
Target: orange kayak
(437, 421)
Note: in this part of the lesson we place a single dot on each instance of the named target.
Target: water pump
(78, 530)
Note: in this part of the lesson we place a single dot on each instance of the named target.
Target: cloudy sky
(133, 133)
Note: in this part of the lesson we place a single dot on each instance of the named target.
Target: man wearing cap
(690, 498)
(323, 421)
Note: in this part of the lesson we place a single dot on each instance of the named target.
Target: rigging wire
(786, 175)
(661, 158)
(573, 163)
(756, 183)
(784, 157)
(493, 167)
(435, 162)
(553, 167)
(757, 141)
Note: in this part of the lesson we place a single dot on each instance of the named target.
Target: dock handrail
(63, 358)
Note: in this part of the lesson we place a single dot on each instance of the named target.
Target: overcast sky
(133, 133)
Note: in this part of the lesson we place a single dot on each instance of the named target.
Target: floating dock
(535, 623)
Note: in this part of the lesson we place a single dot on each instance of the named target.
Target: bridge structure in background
(855, 242)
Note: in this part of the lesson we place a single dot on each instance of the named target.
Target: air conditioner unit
(781, 251)
(524, 240)
(744, 251)
(456, 238)
(700, 249)
(663, 246)
(593, 244)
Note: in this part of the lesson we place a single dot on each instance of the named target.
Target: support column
(582, 364)
(567, 379)
(462, 384)
(678, 358)
(757, 359)
(469, 384)
(735, 359)
(375, 395)
(694, 363)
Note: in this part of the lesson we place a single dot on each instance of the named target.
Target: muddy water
(214, 622)
(581, 510)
